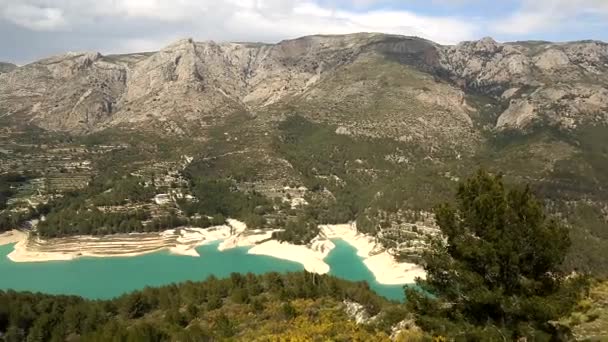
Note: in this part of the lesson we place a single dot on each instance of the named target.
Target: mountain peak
(179, 43)
(487, 40)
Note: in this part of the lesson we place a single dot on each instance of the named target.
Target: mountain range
(411, 85)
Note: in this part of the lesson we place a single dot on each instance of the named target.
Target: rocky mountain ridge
(196, 84)
(560, 83)
(7, 67)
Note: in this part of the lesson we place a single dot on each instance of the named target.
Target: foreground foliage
(496, 275)
(296, 306)
(589, 320)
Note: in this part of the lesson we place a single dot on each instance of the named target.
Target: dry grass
(590, 320)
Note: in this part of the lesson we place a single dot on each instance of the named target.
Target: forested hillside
(298, 306)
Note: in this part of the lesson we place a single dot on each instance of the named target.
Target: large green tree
(494, 274)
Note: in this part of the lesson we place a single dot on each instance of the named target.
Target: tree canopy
(243, 307)
(495, 271)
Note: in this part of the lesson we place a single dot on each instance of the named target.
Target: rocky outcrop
(561, 105)
(180, 83)
(337, 79)
(486, 65)
(519, 114)
(186, 84)
(7, 67)
(491, 67)
(566, 82)
(357, 312)
(406, 330)
(551, 59)
(73, 92)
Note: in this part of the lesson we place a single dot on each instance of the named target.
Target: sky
(33, 29)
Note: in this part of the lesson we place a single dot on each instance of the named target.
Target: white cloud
(53, 26)
(310, 18)
(34, 17)
(176, 10)
(538, 16)
(441, 30)
(266, 19)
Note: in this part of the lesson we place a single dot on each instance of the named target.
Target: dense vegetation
(589, 320)
(220, 198)
(120, 191)
(82, 221)
(8, 188)
(371, 180)
(72, 214)
(299, 306)
(357, 170)
(567, 169)
(12, 220)
(299, 231)
(365, 176)
(78, 213)
(496, 276)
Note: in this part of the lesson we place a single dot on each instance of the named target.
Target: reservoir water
(346, 264)
(102, 278)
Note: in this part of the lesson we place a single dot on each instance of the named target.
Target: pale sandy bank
(181, 241)
(12, 236)
(388, 271)
(380, 262)
(311, 257)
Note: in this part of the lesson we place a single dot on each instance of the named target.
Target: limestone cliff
(372, 84)
(563, 84)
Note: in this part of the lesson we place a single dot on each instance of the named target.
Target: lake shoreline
(385, 268)
(12, 236)
(184, 241)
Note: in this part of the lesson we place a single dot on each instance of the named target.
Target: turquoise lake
(102, 278)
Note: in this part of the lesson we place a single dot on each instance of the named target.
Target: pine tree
(496, 266)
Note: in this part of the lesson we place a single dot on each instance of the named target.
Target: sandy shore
(245, 238)
(12, 236)
(311, 257)
(383, 265)
(388, 271)
(380, 262)
(184, 241)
